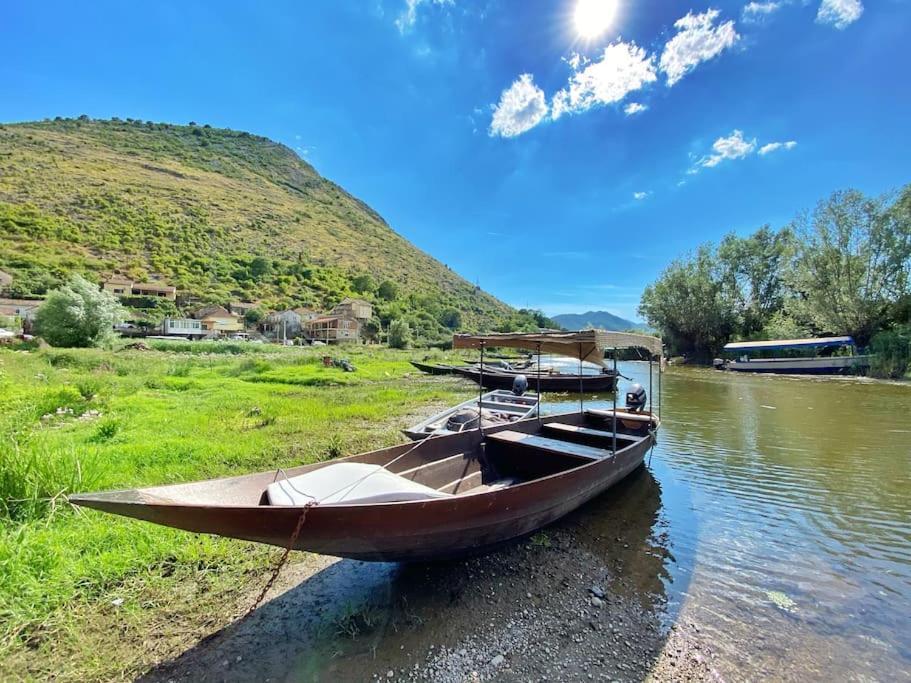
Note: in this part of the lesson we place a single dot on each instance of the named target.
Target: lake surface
(785, 511)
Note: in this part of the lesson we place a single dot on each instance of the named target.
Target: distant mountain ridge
(599, 319)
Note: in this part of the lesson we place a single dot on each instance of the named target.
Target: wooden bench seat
(598, 434)
(543, 443)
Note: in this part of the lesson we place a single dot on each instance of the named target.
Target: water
(786, 509)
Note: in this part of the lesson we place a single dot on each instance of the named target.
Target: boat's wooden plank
(621, 415)
(550, 445)
(463, 484)
(437, 472)
(559, 427)
(503, 405)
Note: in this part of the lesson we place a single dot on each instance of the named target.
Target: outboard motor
(519, 385)
(635, 398)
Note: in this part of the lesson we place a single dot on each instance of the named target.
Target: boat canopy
(586, 345)
(819, 342)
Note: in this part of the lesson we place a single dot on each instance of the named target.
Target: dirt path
(582, 600)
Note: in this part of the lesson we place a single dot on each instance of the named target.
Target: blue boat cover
(789, 344)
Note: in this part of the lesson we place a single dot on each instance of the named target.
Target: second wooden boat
(496, 408)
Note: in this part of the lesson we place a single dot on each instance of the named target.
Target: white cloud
(698, 39)
(634, 108)
(640, 195)
(757, 11)
(839, 13)
(622, 69)
(775, 146)
(731, 147)
(522, 106)
(405, 21)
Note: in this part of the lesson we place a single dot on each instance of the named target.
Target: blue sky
(560, 172)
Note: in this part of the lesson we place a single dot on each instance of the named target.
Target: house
(306, 313)
(282, 324)
(121, 286)
(20, 308)
(182, 327)
(332, 328)
(219, 319)
(355, 308)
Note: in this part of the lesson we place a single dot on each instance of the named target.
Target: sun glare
(594, 17)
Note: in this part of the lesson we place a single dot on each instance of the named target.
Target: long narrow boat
(442, 497)
(434, 369)
(795, 365)
(556, 383)
(497, 407)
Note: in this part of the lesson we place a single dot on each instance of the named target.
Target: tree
(259, 267)
(852, 263)
(388, 290)
(371, 329)
(451, 318)
(362, 283)
(399, 334)
(691, 305)
(253, 316)
(78, 314)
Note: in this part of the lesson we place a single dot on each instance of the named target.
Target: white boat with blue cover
(834, 363)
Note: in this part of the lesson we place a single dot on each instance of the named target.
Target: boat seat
(621, 415)
(348, 483)
(559, 427)
(543, 443)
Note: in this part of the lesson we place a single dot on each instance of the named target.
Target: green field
(75, 420)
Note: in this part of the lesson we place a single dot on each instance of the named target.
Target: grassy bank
(84, 419)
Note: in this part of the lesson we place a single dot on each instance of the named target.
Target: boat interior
(468, 464)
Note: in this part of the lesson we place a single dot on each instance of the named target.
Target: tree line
(842, 268)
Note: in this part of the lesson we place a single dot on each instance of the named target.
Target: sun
(594, 17)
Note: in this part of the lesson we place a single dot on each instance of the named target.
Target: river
(786, 514)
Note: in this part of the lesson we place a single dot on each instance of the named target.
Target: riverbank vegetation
(87, 419)
(843, 268)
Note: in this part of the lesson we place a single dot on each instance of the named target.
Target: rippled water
(787, 507)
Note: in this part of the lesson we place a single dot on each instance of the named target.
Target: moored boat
(441, 497)
(832, 364)
(496, 408)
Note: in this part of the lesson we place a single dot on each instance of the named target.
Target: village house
(242, 307)
(358, 309)
(182, 327)
(282, 324)
(20, 308)
(306, 313)
(219, 319)
(121, 286)
(332, 329)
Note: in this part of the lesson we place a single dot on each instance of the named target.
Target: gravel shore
(582, 600)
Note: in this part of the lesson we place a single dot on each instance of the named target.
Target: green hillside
(220, 214)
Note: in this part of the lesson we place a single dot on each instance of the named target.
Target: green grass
(81, 420)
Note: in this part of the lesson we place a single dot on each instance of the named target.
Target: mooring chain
(284, 558)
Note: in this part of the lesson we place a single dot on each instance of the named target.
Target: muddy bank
(582, 600)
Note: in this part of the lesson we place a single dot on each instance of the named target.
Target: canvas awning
(586, 345)
(819, 342)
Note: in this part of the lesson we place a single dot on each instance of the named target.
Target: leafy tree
(691, 305)
(399, 334)
(78, 314)
(260, 267)
(388, 290)
(852, 263)
(451, 318)
(371, 329)
(891, 353)
(253, 316)
(362, 283)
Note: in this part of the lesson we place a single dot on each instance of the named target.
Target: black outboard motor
(519, 385)
(635, 398)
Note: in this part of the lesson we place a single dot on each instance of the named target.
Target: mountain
(599, 319)
(220, 214)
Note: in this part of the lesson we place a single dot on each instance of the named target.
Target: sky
(558, 153)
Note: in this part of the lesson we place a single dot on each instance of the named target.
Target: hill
(220, 214)
(599, 319)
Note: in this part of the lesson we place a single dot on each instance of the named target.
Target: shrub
(388, 290)
(891, 353)
(399, 334)
(78, 314)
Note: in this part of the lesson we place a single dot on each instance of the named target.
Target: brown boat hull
(402, 531)
(605, 381)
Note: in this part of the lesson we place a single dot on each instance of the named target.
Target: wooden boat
(796, 365)
(497, 407)
(441, 497)
(434, 369)
(556, 383)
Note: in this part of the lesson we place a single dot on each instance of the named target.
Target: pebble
(496, 661)
(597, 602)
